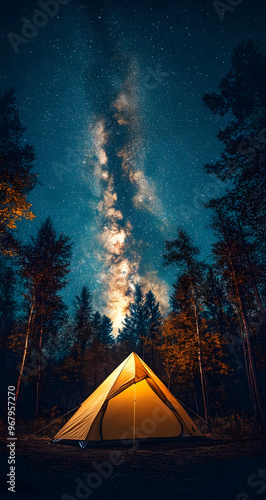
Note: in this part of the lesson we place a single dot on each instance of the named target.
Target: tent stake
(134, 418)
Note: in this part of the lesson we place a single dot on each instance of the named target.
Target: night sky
(110, 93)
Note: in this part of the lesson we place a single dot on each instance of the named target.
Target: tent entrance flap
(139, 417)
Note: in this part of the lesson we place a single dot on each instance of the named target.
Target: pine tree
(45, 264)
(153, 323)
(219, 311)
(239, 216)
(8, 320)
(242, 96)
(226, 217)
(83, 320)
(75, 368)
(96, 325)
(181, 343)
(134, 324)
(17, 178)
(182, 253)
(8, 302)
(96, 348)
(106, 330)
(228, 252)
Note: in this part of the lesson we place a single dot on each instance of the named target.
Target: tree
(239, 215)
(8, 302)
(96, 325)
(153, 323)
(181, 341)
(102, 345)
(8, 318)
(252, 256)
(17, 178)
(228, 252)
(83, 319)
(242, 96)
(134, 324)
(95, 352)
(219, 311)
(45, 263)
(106, 330)
(183, 253)
(74, 370)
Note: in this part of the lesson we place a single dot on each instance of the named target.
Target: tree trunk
(68, 395)
(105, 361)
(70, 385)
(25, 350)
(168, 378)
(253, 279)
(251, 364)
(195, 397)
(152, 357)
(143, 347)
(248, 374)
(239, 381)
(246, 360)
(203, 388)
(39, 373)
(199, 353)
(95, 376)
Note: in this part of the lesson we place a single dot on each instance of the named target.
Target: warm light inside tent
(153, 418)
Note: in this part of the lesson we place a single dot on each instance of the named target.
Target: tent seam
(126, 360)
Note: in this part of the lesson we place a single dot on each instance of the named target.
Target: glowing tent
(132, 403)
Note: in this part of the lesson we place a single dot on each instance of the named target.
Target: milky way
(111, 95)
(115, 167)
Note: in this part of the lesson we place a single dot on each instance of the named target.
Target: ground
(207, 470)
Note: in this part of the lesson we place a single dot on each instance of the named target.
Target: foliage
(17, 178)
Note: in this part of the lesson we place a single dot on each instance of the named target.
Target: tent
(132, 403)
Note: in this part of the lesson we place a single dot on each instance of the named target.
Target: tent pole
(134, 418)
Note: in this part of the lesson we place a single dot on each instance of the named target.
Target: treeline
(211, 348)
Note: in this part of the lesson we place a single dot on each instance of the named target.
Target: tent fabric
(118, 422)
(131, 402)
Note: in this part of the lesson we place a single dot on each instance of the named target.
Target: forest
(210, 349)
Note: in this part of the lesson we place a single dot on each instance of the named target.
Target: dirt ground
(206, 470)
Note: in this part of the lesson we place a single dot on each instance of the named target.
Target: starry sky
(110, 93)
